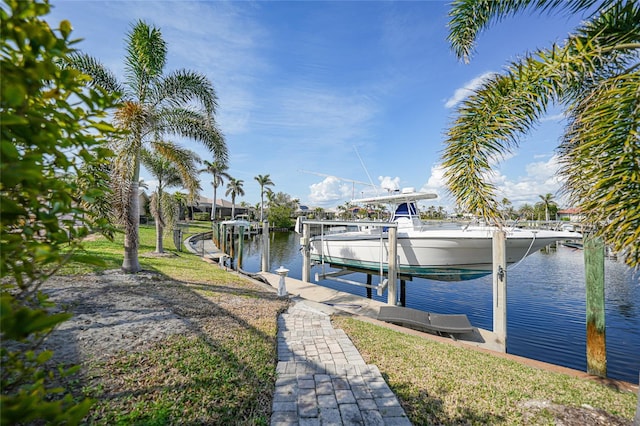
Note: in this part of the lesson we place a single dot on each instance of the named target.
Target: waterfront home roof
(571, 210)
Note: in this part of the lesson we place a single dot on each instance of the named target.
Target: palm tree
(507, 208)
(526, 211)
(234, 187)
(546, 201)
(152, 104)
(219, 171)
(169, 173)
(181, 203)
(595, 76)
(263, 181)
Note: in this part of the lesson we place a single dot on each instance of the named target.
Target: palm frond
(183, 161)
(182, 87)
(194, 125)
(170, 211)
(486, 129)
(146, 58)
(601, 161)
(219, 171)
(100, 75)
(595, 75)
(470, 17)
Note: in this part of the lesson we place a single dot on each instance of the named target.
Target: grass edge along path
(439, 383)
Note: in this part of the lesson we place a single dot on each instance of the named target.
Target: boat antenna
(365, 169)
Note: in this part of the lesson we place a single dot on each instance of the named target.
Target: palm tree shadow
(169, 327)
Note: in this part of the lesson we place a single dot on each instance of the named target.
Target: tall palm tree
(546, 201)
(595, 76)
(169, 173)
(152, 104)
(263, 181)
(234, 188)
(219, 171)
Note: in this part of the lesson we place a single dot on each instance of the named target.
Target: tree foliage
(181, 171)
(595, 76)
(52, 128)
(153, 105)
(281, 209)
(218, 170)
(265, 182)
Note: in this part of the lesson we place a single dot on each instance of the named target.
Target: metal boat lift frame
(392, 265)
(499, 270)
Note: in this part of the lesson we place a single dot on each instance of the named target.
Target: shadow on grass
(426, 409)
(162, 351)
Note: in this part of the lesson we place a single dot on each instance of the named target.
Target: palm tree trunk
(130, 262)
(159, 227)
(233, 207)
(213, 204)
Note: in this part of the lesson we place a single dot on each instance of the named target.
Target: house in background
(223, 208)
(202, 205)
(571, 215)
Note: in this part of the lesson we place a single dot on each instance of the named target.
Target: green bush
(280, 216)
(52, 130)
(202, 216)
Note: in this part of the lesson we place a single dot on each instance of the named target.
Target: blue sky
(355, 90)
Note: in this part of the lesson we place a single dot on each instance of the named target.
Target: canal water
(545, 304)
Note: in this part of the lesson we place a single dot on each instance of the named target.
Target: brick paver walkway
(323, 380)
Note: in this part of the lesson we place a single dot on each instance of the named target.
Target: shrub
(52, 129)
(202, 216)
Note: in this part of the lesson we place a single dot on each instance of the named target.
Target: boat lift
(389, 283)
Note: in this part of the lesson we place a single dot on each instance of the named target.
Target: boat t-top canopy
(406, 195)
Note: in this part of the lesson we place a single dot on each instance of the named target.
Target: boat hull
(452, 255)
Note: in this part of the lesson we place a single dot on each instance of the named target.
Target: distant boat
(441, 254)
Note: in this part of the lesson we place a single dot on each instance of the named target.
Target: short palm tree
(169, 173)
(234, 188)
(181, 103)
(595, 76)
(263, 181)
(219, 171)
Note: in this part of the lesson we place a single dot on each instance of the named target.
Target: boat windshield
(407, 210)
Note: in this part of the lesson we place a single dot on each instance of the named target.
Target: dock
(331, 302)
(334, 301)
(367, 309)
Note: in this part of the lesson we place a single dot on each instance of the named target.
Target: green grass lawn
(110, 253)
(445, 384)
(226, 375)
(222, 374)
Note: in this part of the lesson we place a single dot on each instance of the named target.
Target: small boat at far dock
(426, 251)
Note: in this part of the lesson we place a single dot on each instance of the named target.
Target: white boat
(460, 253)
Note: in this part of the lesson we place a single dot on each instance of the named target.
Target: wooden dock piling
(594, 277)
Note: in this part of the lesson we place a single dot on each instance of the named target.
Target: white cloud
(388, 183)
(329, 192)
(436, 185)
(460, 94)
(540, 178)
(554, 117)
